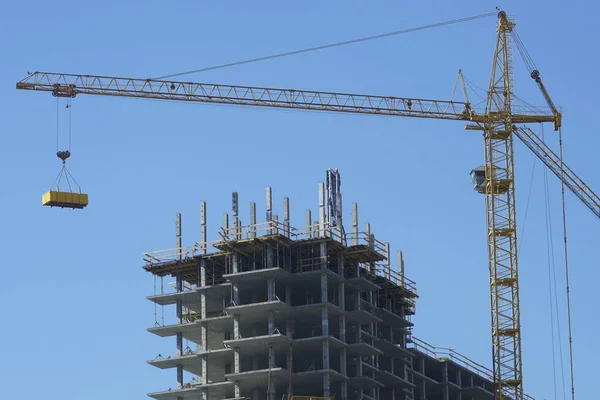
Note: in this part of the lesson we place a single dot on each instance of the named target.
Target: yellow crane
(499, 123)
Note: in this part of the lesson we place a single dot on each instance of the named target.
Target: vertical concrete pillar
(252, 231)
(286, 216)
(459, 383)
(445, 388)
(288, 295)
(308, 224)
(204, 377)
(203, 239)
(226, 225)
(322, 220)
(325, 333)
(272, 364)
(354, 222)
(342, 323)
(234, 215)
(178, 305)
(269, 206)
(271, 296)
(401, 268)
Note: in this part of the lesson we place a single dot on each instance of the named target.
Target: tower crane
(499, 123)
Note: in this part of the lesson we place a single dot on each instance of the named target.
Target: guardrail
(442, 353)
(446, 353)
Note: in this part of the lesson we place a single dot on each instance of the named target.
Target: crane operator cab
(58, 198)
(478, 179)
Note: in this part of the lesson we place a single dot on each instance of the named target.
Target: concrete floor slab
(218, 357)
(258, 310)
(364, 349)
(259, 378)
(190, 362)
(259, 344)
(311, 376)
(365, 382)
(315, 343)
(362, 284)
(258, 274)
(363, 317)
(392, 319)
(392, 380)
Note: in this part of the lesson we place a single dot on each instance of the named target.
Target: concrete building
(272, 311)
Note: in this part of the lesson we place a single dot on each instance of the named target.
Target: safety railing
(318, 230)
(441, 353)
(177, 253)
(245, 232)
(395, 277)
(363, 238)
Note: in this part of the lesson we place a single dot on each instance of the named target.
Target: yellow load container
(64, 199)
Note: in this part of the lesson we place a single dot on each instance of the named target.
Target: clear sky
(73, 304)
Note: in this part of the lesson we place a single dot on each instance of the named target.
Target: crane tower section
(501, 220)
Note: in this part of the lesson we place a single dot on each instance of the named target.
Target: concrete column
(203, 239)
(342, 322)
(286, 216)
(272, 391)
(204, 377)
(178, 305)
(401, 268)
(445, 388)
(459, 383)
(204, 394)
(234, 215)
(354, 222)
(342, 305)
(288, 295)
(322, 221)
(226, 225)
(269, 206)
(252, 233)
(325, 332)
(308, 224)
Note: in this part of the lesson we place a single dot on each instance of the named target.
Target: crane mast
(497, 121)
(501, 221)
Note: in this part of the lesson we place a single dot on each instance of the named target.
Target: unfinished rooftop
(275, 311)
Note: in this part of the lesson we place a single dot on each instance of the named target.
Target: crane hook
(63, 155)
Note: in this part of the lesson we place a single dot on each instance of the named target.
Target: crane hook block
(56, 198)
(63, 155)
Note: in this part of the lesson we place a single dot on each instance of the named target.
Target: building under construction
(272, 311)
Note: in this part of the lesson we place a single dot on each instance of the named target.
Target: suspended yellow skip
(55, 198)
(70, 199)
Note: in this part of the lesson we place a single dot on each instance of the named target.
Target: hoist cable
(69, 106)
(522, 235)
(57, 113)
(554, 286)
(550, 259)
(328, 46)
(564, 220)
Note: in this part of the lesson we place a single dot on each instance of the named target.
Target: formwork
(272, 311)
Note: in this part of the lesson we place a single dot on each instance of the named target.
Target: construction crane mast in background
(498, 122)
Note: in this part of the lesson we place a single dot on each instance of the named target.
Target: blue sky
(73, 299)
